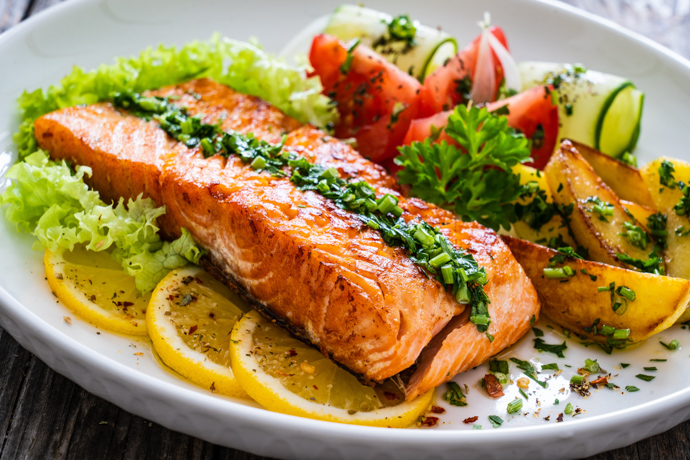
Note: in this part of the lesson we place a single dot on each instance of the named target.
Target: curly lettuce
(243, 66)
(50, 200)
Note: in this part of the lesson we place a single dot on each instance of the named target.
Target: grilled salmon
(295, 255)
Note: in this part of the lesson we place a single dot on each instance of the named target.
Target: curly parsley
(475, 179)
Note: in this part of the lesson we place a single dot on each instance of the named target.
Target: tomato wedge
(527, 112)
(448, 85)
(376, 100)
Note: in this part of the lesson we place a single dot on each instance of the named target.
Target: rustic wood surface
(45, 415)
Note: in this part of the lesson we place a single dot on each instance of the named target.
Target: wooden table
(45, 415)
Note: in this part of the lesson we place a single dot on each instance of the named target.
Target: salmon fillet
(299, 258)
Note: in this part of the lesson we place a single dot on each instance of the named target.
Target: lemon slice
(189, 319)
(285, 375)
(93, 286)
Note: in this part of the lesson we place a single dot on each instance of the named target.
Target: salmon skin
(295, 255)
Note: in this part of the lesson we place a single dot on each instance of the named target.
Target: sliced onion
(510, 68)
(484, 78)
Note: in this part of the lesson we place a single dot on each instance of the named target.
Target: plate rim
(112, 369)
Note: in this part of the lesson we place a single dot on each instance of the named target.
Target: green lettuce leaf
(242, 66)
(52, 202)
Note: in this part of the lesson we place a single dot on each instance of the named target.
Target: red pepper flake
(559, 418)
(315, 387)
(429, 421)
(547, 418)
(493, 386)
(470, 420)
(192, 330)
(390, 396)
(437, 410)
(603, 380)
(292, 353)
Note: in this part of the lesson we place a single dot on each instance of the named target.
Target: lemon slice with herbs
(93, 285)
(285, 375)
(189, 319)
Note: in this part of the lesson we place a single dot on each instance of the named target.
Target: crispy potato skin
(574, 181)
(575, 304)
(625, 180)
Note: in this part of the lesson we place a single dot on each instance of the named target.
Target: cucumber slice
(597, 109)
(430, 49)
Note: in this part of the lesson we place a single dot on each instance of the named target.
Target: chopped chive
(620, 334)
(555, 273)
(603, 288)
(672, 345)
(576, 379)
(658, 360)
(514, 406)
(551, 366)
(631, 389)
(447, 273)
(607, 330)
(650, 368)
(568, 409)
(646, 378)
(524, 395)
(626, 292)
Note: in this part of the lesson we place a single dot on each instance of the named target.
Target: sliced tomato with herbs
(376, 100)
(532, 112)
(450, 84)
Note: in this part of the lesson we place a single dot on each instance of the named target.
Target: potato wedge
(677, 254)
(640, 212)
(598, 219)
(625, 180)
(556, 228)
(577, 303)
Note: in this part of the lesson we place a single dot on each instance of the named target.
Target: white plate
(90, 32)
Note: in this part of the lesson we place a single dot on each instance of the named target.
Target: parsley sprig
(475, 179)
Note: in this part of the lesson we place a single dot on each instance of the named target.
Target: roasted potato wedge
(677, 254)
(576, 302)
(625, 180)
(640, 212)
(598, 220)
(555, 228)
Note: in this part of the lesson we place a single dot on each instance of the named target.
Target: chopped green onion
(591, 366)
(646, 378)
(555, 273)
(650, 368)
(447, 273)
(440, 259)
(624, 365)
(626, 292)
(258, 163)
(631, 388)
(495, 420)
(514, 406)
(576, 379)
(607, 330)
(620, 334)
(568, 409)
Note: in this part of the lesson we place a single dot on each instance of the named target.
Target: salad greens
(475, 179)
(50, 200)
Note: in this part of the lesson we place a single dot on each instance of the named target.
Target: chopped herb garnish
(652, 265)
(538, 332)
(476, 427)
(402, 28)
(524, 395)
(568, 409)
(556, 349)
(514, 406)
(528, 370)
(624, 365)
(631, 389)
(635, 235)
(556, 402)
(672, 345)
(656, 223)
(426, 246)
(347, 64)
(658, 360)
(629, 159)
(646, 378)
(666, 170)
(454, 395)
(532, 320)
(496, 365)
(551, 366)
(650, 368)
(591, 366)
(495, 420)
(601, 208)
